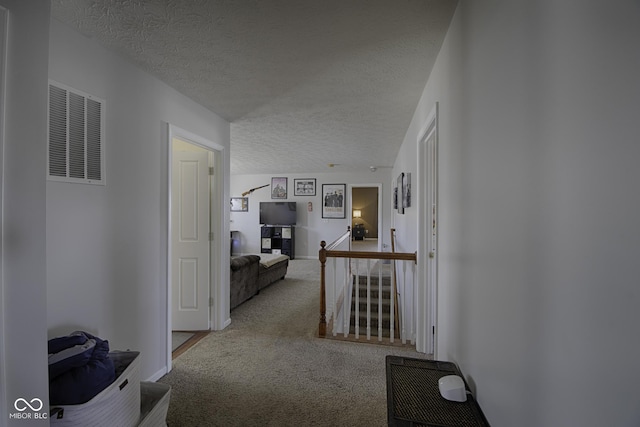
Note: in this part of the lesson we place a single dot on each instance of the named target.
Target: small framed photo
(239, 204)
(304, 187)
(333, 200)
(406, 190)
(395, 197)
(399, 199)
(279, 188)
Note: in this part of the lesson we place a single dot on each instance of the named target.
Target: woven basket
(116, 405)
(154, 403)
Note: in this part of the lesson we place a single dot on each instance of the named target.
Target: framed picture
(406, 190)
(400, 193)
(239, 204)
(395, 197)
(333, 200)
(304, 187)
(279, 188)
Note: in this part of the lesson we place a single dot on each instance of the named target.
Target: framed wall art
(304, 187)
(239, 204)
(395, 197)
(333, 200)
(399, 194)
(279, 188)
(406, 190)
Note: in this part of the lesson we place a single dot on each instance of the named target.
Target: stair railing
(322, 256)
(344, 280)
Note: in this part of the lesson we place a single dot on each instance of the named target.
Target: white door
(190, 240)
(432, 231)
(426, 301)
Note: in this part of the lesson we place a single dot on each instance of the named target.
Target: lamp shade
(357, 213)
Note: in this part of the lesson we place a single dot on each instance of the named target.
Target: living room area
(364, 191)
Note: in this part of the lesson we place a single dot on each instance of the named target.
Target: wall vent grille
(76, 136)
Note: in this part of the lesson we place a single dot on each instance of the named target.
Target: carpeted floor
(268, 368)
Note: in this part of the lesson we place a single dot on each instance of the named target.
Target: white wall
(539, 206)
(23, 349)
(311, 228)
(106, 245)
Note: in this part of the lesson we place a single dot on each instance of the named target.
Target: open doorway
(366, 217)
(194, 219)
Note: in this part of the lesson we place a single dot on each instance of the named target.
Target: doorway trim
(350, 204)
(216, 251)
(427, 292)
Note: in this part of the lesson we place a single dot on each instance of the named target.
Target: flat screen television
(278, 213)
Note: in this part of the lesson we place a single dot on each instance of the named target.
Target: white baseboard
(155, 377)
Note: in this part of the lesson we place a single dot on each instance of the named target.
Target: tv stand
(278, 239)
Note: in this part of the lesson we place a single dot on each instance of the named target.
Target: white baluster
(403, 322)
(334, 314)
(357, 292)
(346, 302)
(392, 292)
(379, 300)
(368, 299)
(415, 303)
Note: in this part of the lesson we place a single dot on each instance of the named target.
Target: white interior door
(432, 232)
(190, 269)
(427, 290)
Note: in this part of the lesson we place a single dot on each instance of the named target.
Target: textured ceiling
(304, 83)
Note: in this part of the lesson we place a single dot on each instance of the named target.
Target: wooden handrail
(398, 256)
(325, 253)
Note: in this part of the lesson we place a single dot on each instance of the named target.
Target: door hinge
(211, 236)
(210, 301)
(210, 170)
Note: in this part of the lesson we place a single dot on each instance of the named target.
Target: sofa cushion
(273, 273)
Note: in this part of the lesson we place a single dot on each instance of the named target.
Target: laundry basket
(116, 405)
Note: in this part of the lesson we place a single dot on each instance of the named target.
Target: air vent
(76, 136)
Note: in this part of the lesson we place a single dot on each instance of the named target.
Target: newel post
(322, 326)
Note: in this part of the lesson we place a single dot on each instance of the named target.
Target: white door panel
(426, 329)
(190, 245)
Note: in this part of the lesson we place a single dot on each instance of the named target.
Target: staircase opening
(361, 300)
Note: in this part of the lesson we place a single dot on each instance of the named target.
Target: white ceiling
(304, 83)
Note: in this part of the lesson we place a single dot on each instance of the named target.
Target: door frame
(216, 250)
(427, 292)
(350, 205)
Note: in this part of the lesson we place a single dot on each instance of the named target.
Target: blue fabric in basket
(79, 368)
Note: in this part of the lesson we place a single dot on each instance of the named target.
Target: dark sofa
(244, 279)
(249, 275)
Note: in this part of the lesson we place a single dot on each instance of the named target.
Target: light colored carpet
(268, 368)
